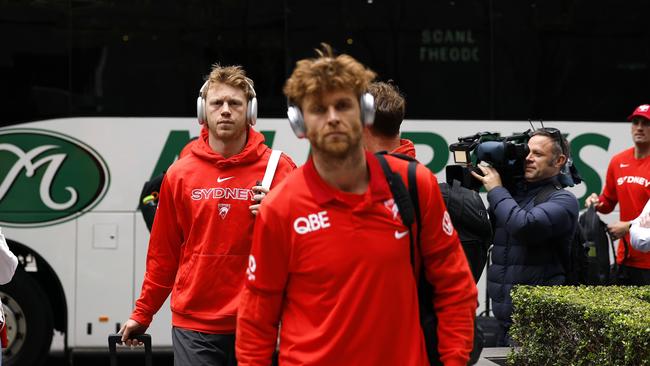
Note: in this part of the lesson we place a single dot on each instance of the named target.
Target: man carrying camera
(528, 237)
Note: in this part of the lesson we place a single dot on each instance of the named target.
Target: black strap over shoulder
(413, 191)
(402, 200)
(543, 195)
(400, 194)
(408, 203)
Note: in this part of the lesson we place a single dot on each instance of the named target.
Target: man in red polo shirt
(628, 184)
(330, 258)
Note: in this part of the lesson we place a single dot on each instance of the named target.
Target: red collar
(323, 192)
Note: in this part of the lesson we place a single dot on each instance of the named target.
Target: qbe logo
(312, 222)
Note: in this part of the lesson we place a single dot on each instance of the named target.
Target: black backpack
(148, 203)
(596, 239)
(408, 203)
(586, 259)
(472, 223)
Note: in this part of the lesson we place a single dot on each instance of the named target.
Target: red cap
(642, 111)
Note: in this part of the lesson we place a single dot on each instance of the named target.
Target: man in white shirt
(640, 230)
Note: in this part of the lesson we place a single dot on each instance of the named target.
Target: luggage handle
(114, 339)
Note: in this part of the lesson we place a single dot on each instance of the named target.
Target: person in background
(201, 237)
(384, 133)
(640, 230)
(628, 184)
(331, 261)
(8, 264)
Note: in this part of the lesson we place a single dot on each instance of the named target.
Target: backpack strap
(543, 195)
(270, 168)
(402, 200)
(408, 203)
(413, 192)
(454, 191)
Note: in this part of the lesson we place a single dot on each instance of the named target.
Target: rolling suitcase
(114, 339)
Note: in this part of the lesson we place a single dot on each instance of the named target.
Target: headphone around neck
(251, 109)
(297, 122)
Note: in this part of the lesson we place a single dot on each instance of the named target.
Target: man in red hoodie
(331, 261)
(383, 134)
(201, 236)
(628, 184)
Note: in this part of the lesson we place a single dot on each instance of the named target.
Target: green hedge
(565, 325)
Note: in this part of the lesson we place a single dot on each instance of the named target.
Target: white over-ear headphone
(366, 104)
(251, 109)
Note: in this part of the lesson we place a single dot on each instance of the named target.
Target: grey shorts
(193, 348)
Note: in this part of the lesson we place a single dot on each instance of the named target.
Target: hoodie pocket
(210, 284)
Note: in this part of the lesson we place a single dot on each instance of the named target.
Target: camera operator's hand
(490, 179)
(592, 199)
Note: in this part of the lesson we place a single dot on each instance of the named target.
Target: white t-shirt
(640, 236)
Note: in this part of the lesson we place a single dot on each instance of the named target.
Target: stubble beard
(338, 150)
(225, 135)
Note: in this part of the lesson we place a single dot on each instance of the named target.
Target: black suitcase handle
(114, 339)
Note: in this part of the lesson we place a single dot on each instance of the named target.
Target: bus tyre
(29, 321)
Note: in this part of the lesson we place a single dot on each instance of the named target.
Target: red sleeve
(609, 198)
(446, 268)
(3, 336)
(261, 301)
(162, 258)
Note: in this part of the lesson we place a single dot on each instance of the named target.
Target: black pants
(503, 337)
(632, 276)
(193, 348)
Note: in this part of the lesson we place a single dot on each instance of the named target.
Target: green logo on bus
(47, 177)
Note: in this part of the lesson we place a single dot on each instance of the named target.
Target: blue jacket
(528, 240)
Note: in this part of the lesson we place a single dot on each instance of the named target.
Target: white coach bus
(69, 191)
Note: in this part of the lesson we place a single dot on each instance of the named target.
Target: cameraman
(528, 238)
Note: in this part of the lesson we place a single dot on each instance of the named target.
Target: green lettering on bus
(437, 144)
(590, 177)
(269, 136)
(176, 141)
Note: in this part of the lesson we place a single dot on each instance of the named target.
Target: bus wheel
(29, 321)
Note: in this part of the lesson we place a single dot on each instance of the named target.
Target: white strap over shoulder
(270, 168)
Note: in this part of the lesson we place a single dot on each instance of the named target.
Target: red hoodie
(202, 234)
(406, 147)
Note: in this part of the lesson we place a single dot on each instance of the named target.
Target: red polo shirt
(335, 269)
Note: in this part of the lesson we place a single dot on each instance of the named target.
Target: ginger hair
(234, 76)
(325, 73)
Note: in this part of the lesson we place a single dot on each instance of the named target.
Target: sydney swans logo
(47, 177)
(25, 162)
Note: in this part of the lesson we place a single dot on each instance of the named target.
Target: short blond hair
(326, 72)
(234, 76)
